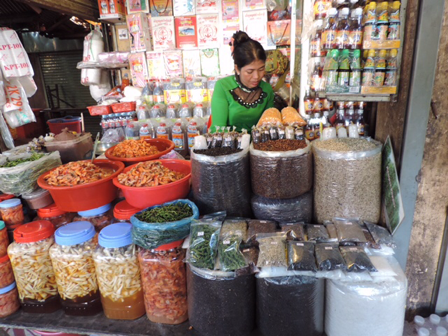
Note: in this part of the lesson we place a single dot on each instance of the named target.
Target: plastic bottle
(179, 138)
(441, 331)
(369, 69)
(343, 29)
(316, 126)
(316, 41)
(418, 320)
(146, 132)
(328, 40)
(155, 112)
(340, 121)
(104, 7)
(423, 332)
(132, 132)
(112, 7)
(382, 12)
(394, 18)
(316, 77)
(199, 111)
(355, 74)
(158, 93)
(171, 111)
(309, 129)
(344, 69)
(308, 102)
(331, 68)
(369, 21)
(163, 131)
(184, 111)
(361, 123)
(318, 105)
(355, 37)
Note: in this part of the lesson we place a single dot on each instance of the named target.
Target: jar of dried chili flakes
(164, 283)
(99, 217)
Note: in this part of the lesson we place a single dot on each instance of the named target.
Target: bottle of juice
(344, 68)
(370, 21)
(320, 9)
(316, 77)
(343, 28)
(316, 41)
(308, 102)
(355, 37)
(179, 139)
(329, 32)
(391, 69)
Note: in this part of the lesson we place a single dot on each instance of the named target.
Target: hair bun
(240, 37)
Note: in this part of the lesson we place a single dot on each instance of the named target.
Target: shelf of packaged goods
(355, 97)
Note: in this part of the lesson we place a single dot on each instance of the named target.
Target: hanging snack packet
(204, 237)
(356, 260)
(295, 231)
(329, 257)
(349, 230)
(316, 232)
(256, 226)
(272, 250)
(380, 234)
(301, 256)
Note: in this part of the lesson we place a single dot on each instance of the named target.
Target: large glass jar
(9, 300)
(11, 212)
(32, 267)
(118, 273)
(72, 258)
(164, 285)
(4, 239)
(99, 217)
(123, 212)
(54, 215)
(6, 273)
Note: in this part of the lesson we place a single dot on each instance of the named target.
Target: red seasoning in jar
(4, 240)
(9, 300)
(12, 213)
(6, 273)
(99, 217)
(164, 285)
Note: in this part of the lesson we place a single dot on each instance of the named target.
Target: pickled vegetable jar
(4, 240)
(164, 285)
(123, 212)
(9, 300)
(6, 273)
(12, 213)
(72, 259)
(31, 263)
(54, 215)
(118, 273)
(99, 217)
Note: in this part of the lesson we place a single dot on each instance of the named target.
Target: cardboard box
(163, 32)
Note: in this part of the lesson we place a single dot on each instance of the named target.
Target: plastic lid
(2, 225)
(124, 211)
(419, 320)
(50, 211)
(4, 258)
(169, 246)
(345, 11)
(96, 211)
(441, 331)
(74, 233)
(423, 332)
(7, 288)
(35, 194)
(10, 203)
(434, 318)
(4, 197)
(33, 232)
(358, 11)
(116, 235)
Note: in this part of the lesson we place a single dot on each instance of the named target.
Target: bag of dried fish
(316, 232)
(204, 237)
(295, 231)
(355, 191)
(301, 256)
(33, 270)
(222, 183)
(22, 178)
(72, 259)
(272, 250)
(349, 230)
(163, 224)
(299, 209)
(118, 273)
(356, 260)
(329, 257)
(282, 174)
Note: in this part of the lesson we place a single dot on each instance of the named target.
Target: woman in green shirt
(241, 99)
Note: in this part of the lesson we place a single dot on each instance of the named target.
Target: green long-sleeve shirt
(227, 111)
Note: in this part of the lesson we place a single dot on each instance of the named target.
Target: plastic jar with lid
(6, 273)
(38, 199)
(99, 217)
(54, 215)
(4, 239)
(9, 300)
(118, 273)
(164, 283)
(123, 212)
(33, 270)
(72, 259)
(11, 212)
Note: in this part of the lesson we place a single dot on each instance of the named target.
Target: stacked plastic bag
(16, 84)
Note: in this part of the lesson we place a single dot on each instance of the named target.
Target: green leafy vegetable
(33, 157)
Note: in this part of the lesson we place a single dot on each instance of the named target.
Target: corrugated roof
(13, 7)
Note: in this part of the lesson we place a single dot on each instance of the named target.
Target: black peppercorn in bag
(317, 232)
(356, 260)
(328, 257)
(283, 174)
(301, 256)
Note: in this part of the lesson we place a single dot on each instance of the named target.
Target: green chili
(165, 214)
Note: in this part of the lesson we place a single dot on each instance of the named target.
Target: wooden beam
(61, 20)
(22, 18)
(84, 9)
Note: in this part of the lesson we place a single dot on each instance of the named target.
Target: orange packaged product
(290, 116)
(12, 213)
(270, 116)
(9, 300)
(6, 273)
(164, 285)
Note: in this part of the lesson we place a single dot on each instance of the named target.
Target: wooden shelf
(355, 97)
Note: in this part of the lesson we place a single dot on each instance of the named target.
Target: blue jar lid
(96, 211)
(74, 233)
(7, 288)
(115, 235)
(10, 203)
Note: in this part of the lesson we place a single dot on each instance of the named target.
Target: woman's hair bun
(240, 37)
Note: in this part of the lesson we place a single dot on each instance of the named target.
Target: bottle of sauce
(382, 12)
(318, 105)
(380, 71)
(329, 32)
(163, 131)
(178, 135)
(317, 125)
(355, 37)
(158, 95)
(308, 102)
(391, 69)
(320, 9)
(361, 123)
(340, 121)
(343, 29)
(192, 132)
(350, 119)
(309, 130)
(370, 21)
(316, 41)
(316, 78)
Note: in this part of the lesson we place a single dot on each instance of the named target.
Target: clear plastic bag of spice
(251, 256)
(255, 226)
(317, 232)
(356, 259)
(301, 256)
(204, 237)
(328, 257)
(294, 231)
(332, 232)
(380, 234)
(229, 254)
(281, 175)
(299, 209)
(272, 250)
(222, 183)
(235, 226)
(349, 230)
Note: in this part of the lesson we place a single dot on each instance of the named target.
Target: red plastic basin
(146, 197)
(163, 145)
(85, 196)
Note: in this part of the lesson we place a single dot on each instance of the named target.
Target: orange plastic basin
(145, 197)
(163, 145)
(85, 196)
